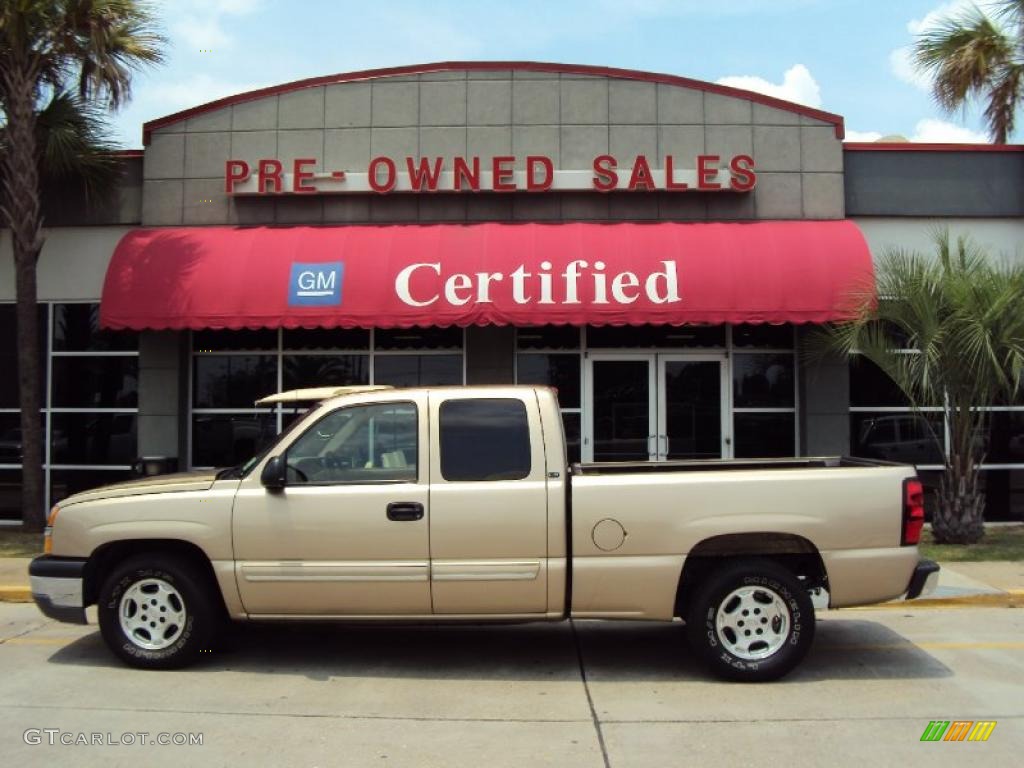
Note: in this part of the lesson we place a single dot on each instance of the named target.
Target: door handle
(405, 510)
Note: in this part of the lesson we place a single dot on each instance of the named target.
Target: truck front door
(348, 534)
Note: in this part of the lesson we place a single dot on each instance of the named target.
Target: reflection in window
(561, 371)
(93, 438)
(762, 381)
(95, 382)
(871, 387)
(417, 370)
(233, 381)
(224, 440)
(324, 371)
(76, 328)
(912, 438)
(361, 444)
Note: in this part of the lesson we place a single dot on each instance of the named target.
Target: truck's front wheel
(751, 621)
(154, 612)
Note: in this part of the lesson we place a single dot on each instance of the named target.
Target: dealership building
(659, 249)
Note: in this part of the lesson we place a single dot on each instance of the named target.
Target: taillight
(913, 511)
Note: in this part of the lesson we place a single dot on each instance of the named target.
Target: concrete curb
(10, 594)
(1013, 598)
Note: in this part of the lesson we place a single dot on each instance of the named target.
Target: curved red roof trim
(523, 66)
(910, 146)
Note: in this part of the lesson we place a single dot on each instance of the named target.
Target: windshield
(243, 469)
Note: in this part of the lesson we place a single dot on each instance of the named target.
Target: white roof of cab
(316, 394)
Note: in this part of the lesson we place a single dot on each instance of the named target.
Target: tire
(776, 631)
(183, 620)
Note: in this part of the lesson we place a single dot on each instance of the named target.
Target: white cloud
(902, 65)
(863, 136)
(198, 23)
(797, 85)
(938, 14)
(931, 130)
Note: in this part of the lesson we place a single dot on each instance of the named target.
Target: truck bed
(722, 465)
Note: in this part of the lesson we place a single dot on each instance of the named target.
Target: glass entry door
(655, 407)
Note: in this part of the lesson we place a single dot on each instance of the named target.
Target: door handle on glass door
(401, 511)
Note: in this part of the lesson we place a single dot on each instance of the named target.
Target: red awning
(491, 273)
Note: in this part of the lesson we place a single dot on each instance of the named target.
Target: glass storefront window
(95, 382)
(870, 387)
(9, 354)
(418, 338)
(76, 328)
(10, 494)
(764, 435)
(224, 440)
(300, 371)
(263, 339)
(232, 381)
(561, 371)
(548, 337)
(417, 370)
(93, 438)
(763, 336)
(645, 336)
(913, 438)
(325, 338)
(762, 380)
(1005, 443)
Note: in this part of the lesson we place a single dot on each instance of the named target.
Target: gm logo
(316, 285)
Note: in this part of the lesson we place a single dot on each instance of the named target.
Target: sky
(844, 56)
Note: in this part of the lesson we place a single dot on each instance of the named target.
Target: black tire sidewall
(704, 637)
(198, 621)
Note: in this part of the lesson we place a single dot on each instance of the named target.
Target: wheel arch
(109, 555)
(796, 554)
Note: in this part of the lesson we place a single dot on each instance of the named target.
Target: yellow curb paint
(15, 595)
(966, 646)
(1012, 599)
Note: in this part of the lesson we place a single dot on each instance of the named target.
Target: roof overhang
(576, 273)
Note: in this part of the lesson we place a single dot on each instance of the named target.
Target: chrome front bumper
(57, 587)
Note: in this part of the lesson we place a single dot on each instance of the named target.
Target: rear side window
(484, 440)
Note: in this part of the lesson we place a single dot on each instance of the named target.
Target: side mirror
(273, 474)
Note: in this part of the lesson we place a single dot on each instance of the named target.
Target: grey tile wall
(570, 119)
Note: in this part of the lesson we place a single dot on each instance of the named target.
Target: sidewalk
(991, 584)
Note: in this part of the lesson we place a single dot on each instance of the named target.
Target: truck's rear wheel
(154, 612)
(751, 621)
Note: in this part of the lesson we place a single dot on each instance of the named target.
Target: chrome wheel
(752, 622)
(152, 614)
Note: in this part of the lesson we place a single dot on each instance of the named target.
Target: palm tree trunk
(21, 212)
(960, 516)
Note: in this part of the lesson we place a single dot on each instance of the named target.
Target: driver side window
(361, 444)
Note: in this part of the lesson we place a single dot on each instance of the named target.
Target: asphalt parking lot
(589, 694)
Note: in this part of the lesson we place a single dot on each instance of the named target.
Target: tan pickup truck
(456, 504)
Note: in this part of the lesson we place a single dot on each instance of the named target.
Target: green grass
(15, 543)
(1004, 542)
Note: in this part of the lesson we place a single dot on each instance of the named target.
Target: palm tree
(977, 55)
(949, 331)
(49, 48)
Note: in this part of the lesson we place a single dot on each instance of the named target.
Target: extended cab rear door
(488, 504)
